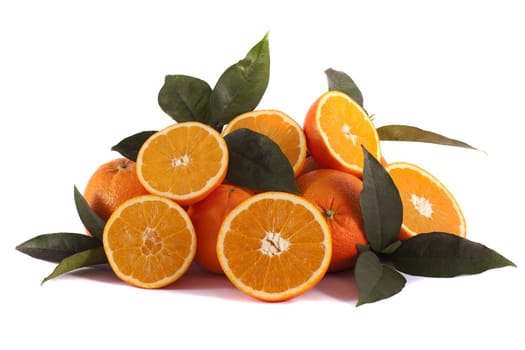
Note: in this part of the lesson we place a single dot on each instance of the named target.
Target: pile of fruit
(271, 204)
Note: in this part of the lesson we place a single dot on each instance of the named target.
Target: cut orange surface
(428, 205)
(149, 241)
(280, 128)
(336, 127)
(274, 246)
(185, 162)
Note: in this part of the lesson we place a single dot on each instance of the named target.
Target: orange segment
(149, 241)
(427, 204)
(280, 128)
(184, 162)
(336, 127)
(274, 246)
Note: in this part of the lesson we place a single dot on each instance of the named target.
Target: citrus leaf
(81, 259)
(185, 98)
(54, 247)
(93, 223)
(396, 132)
(381, 205)
(257, 162)
(341, 81)
(439, 254)
(374, 280)
(129, 147)
(241, 86)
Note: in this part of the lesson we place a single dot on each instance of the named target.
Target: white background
(77, 77)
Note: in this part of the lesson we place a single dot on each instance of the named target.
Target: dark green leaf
(340, 81)
(439, 254)
(185, 98)
(374, 280)
(242, 85)
(258, 163)
(411, 133)
(129, 147)
(54, 247)
(93, 223)
(381, 204)
(85, 258)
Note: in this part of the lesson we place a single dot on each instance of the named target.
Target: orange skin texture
(111, 185)
(336, 194)
(207, 217)
(320, 152)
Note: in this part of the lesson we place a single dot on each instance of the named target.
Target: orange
(335, 127)
(310, 164)
(111, 185)
(280, 128)
(149, 241)
(427, 204)
(336, 194)
(207, 217)
(274, 246)
(185, 162)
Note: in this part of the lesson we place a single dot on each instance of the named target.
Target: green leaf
(54, 247)
(341, 81)
(391, 248)
(93, 223)
(185, 98)
(241, 87)
(397, 132)
(374, 280)
(381, 205)
(439, 254)
(129, 147)
(85, 258)
(258, 163)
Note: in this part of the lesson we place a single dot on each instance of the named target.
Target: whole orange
(336, 194)
(112, 184)
(207, 217)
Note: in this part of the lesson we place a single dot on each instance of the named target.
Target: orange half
(428, 206)
(185, 162)
(280, 128)
(336, 127)
(274, 246)
(149, 241)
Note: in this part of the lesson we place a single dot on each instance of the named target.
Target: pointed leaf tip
(54, 247)
(242, 85)
(381, 205)
(341, 81)
(440, 254)
(396, 132)
(93, 223)
(374, 280)
(76, 261)
(129, 147)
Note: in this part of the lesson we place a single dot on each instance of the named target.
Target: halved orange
(280, 128)
(149, 241)
(274, 246)
(336, 127)
(185, 162)
(428, 205)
